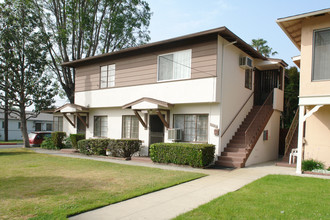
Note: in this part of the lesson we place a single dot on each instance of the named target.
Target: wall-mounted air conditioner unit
(245, 63)
(175, 134)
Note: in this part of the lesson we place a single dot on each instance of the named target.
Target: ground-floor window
(194, 127)
(100, 126)
(58, 123)
(48, 127)
(130, 128)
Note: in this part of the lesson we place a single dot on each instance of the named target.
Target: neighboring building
(310, 33)
(196, 88)
(44, 122)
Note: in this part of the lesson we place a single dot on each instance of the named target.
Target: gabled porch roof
(147, 103)
(71, 108)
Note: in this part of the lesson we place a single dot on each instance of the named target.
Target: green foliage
(58, 138)
(67, 143)
(123, 147)
(93, 146)
(195, 155)
(23, 61)
(48, 144)
(75, 138)
(328, 169)
(291, 93)
(102, 26)
(261, 46)
(309, 165)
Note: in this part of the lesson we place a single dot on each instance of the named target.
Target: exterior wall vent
(175, 134)
(245, 63)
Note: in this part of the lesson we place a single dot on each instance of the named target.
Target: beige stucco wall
(267, 150)
(307, 86)
(233, 93)
(317, 136)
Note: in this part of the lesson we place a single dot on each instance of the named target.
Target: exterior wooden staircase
(242, 143)
(291, 139)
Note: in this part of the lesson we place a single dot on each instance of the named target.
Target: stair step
(229, 164)
(234, 149)
(236, 145)
(237, 141)
(234, 154)
(230, 158)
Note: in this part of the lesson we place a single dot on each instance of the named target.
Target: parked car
(37, 137)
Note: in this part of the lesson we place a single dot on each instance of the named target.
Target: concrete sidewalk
(171, 202)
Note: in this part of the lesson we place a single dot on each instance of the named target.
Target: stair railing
(262, 113)
(292, 129)
(232, 121)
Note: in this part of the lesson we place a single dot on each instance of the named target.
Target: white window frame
(196, 127)
(131, 131)
(111, 72)
(176, 52)
(94, 127)
(313, 59)
(57, 126)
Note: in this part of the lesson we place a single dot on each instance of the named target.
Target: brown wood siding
(142, 69)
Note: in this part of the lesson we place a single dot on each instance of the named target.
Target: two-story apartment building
(196, 88)
(310, 33)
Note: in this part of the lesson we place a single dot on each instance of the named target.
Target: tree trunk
(25, 135)
(6, 109)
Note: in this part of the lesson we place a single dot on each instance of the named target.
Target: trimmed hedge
(75, 138)
(93, 146)
(195, 155)
(57, 138)
(124, 147)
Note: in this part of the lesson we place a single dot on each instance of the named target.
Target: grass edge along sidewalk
(271, 197)
(43, 186)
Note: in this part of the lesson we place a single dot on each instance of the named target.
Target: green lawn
(49, 187)
(271, 197)
(11, 141)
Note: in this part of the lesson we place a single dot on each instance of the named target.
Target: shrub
(48, 144)
(93, 146)
(57, 138)
(309, 165)
(195, 155)
(328, 169)
(124, 148)
(75, 138)
(67, 143)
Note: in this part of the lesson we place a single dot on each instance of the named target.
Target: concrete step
(234, 154)
(229, 164)
(234, 149)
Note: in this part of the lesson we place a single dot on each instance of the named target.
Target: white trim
(314, 100)
(165, 80)
(299, 16)
(302, 119)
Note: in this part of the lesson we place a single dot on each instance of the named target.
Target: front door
(156, 130)
(81, 128)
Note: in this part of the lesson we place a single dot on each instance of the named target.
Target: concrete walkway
(173, 201)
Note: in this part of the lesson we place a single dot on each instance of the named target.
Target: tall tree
(291, 93)
(261, 46)
(23, 56)
(83, 28)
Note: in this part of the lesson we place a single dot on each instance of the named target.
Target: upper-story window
(174, 66)
(248, 78)
(321, 55)
(108, 76)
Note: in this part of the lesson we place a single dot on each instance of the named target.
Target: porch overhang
(76, 111)
(150, 105)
